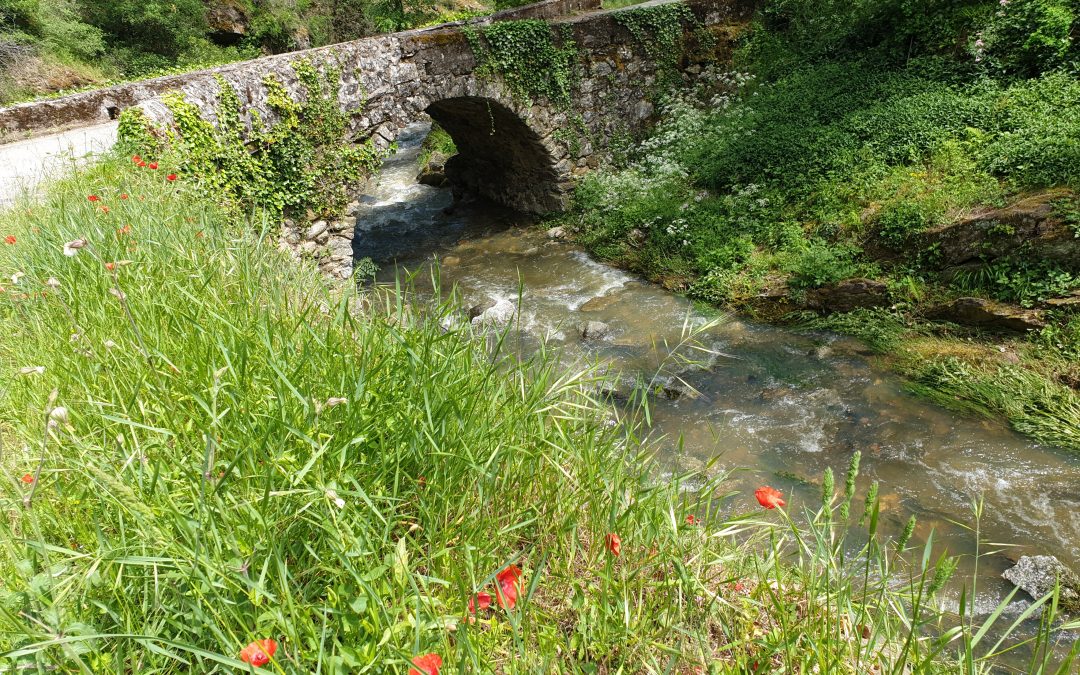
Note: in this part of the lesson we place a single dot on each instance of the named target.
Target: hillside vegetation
(930, 150)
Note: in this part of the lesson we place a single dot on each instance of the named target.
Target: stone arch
(500, 156)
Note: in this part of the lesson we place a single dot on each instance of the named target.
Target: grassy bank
(205, 445)
(847, 138)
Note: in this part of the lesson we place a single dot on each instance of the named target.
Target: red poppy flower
(140, 163)
(126, 229)
(614, 543)
(123, 196)
(691, 519)
(769, 497)
(171, 177)
(153, 165)
(507, 592)
(259, 652)
(480, 601)
(94, 198)
(9, 240)
(136, 159)
(110, 266)
(28, 478)
(428, 664)
(104, 209)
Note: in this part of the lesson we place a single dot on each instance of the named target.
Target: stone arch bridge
(524, 154)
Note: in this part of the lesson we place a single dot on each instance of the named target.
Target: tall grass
(204, 444)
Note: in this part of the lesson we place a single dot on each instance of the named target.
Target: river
(773, 406)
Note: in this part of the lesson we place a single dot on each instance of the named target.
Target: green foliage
(899, 220)
(1021, 279)
(1045, 410)
(661, 30)
(881, 330)
(302, 162)
(437, 143)
(55, 25)
(1029, 37)
(818, 263)
(154, 26)
(528, 59)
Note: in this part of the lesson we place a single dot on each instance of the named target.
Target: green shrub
(151, 26)
(1020, 279)
(1029, 37)
(898, 221)
(818, 263)
(303, 162)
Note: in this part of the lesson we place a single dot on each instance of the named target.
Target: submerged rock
(1038, 574)
(983, 313)
(477, 310)
(434, 174)
(598, 303)
(497, 313)
(595, 330)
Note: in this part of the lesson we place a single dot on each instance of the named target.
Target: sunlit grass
(220, 447)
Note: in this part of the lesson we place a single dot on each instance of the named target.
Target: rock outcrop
(1031, 226)
(227, 20)
(1037, 575)
(848, 295)
(982, 313)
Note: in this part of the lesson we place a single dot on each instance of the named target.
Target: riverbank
(208, 445)
(919, 195)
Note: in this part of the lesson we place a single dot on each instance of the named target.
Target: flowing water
(779, 404)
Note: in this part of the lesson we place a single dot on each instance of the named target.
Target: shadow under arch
(499, 156)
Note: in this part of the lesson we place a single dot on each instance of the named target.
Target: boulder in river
(598, 303)
(1037, 574)
(495, 313)
(595, 330)
(433, 174)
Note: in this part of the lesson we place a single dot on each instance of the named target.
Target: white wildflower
(333, 496)
(72, 247)
(53, 282)
(15, 277)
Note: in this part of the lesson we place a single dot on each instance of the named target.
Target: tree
(163, 27)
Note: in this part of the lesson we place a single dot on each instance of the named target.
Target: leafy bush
(1020, 279)
(302, 162)
(818, 263)
(152, 26)
(1029, 37)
